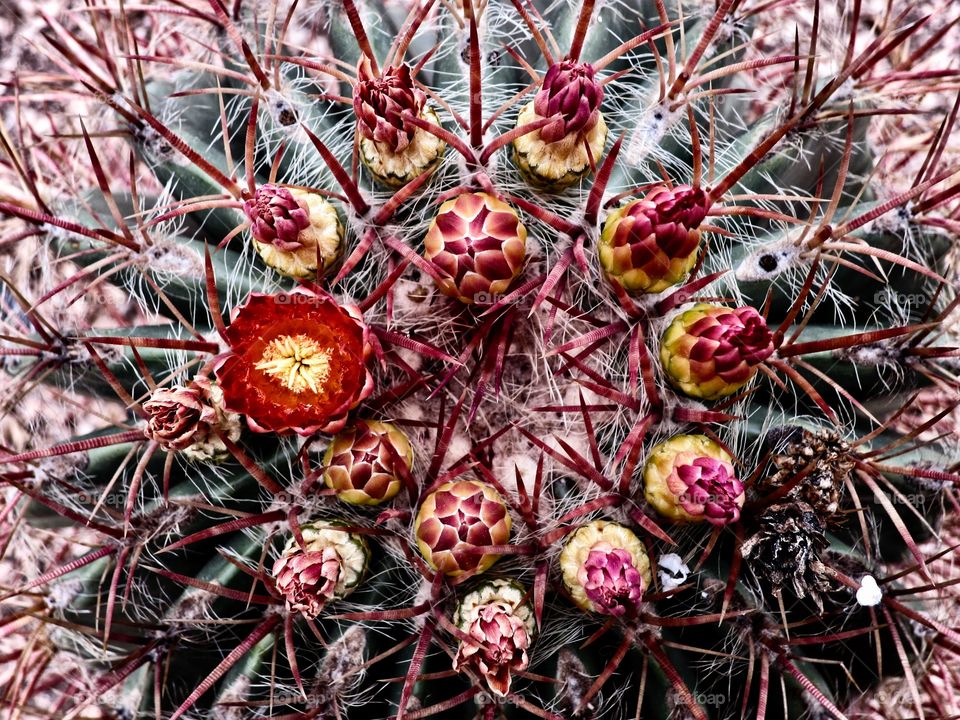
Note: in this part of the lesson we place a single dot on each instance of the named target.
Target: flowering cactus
(692, 478)
(711, 351)
(499, 627)
(363, 462)
(477, 244)
(651, 244)
(296, 362)
(407, 392)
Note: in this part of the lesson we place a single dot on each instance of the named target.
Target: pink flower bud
(276, 218)
(711, 351)
(570, 90)
(380, 103)
(652, 243)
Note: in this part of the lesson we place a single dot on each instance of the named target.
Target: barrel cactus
(516, 358)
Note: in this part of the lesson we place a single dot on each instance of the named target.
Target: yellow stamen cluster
(297, 361)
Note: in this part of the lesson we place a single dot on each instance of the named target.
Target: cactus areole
(296, 362)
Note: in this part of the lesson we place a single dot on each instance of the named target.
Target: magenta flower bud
(610, 580)
(606, 568)
(276, 218)
(691, 478)
(651, 243)
(380, 102)
(711, 351)
(570, 90)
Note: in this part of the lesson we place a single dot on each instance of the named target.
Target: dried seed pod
(455, 520)
(606, 568)
(501, 627)
(822, 455)
(477, 244)
(191, 419)
(330, 564)
(785, 550)
(362, 462)
(711, 351)
(691, 478)
(296, 232)
(652, 243)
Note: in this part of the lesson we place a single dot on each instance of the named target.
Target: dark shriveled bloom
(191, 420)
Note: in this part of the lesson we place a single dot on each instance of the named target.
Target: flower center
(297, 361)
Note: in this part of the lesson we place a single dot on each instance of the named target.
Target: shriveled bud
(456, 521)
(189, 418)
(393, 149)
(556, 155)
(711, 351)
(362, 462)
(477, 244)
(691, 478)
(292, 229)
(651, 243)
(606, 568)
(501, 628)
(329, 565)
